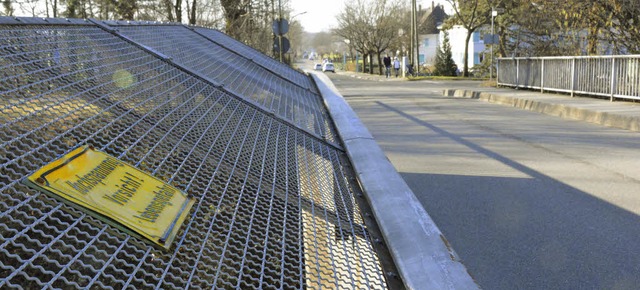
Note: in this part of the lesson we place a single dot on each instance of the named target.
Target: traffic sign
(280, 26)
(491, 39)
(286, 45)
(117, 193)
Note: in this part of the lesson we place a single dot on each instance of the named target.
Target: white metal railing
(615, 76)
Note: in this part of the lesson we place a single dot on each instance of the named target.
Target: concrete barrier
(421, 253)
(597, 115)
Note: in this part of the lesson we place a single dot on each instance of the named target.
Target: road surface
(528, 201)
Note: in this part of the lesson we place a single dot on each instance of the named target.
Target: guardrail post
(613, 77)
(517, 73)
(573, 75)
(498, 73)
(542, 76)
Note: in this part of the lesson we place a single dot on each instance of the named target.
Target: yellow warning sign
(116, 190)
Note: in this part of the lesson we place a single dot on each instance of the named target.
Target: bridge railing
(608, 76)
(276, 200)
(275, 203)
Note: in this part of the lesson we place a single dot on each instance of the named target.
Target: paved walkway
(617, 114)
(518, 194)
(371, 77)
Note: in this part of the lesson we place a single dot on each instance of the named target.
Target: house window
(426, 42)
(476, 36)
(421, 59)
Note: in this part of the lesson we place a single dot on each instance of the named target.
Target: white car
(317, 67)
(328, 67)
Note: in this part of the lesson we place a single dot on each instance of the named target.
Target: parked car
(317, 67)
(328, 67)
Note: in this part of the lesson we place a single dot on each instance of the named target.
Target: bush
(445, 66)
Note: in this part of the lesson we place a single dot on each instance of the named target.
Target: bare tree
(613, 22)
(233, 11)
(249, 21)
(470, 14)
(371, 27)
(31, 8)
(209, 14)
(8, 9)
(73, 9)
(625, 24)
(191, 9)
(355, 25)
(295, 37)
(388, 22)
(127, 9)
(570, 27)
(178, 10)
(167, 7)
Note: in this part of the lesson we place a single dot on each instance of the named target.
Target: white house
(429, 43)
(428, 48)
(457, 36)
(430, 23)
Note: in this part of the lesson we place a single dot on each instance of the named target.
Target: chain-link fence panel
(285, 95)
(275, 205)
(273, 65)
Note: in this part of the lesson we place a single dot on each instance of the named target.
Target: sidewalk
(421, 253)
(618, 114)
(374, 77)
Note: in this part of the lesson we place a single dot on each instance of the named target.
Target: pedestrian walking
(387, 65)
(396, 65)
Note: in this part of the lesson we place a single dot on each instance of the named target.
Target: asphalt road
(528, 201)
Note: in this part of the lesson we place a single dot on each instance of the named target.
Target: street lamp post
(344, 54)
(416, 33)
(280, 27)
(415, 47)
(296, 15)
(293, 35)
(494, 13)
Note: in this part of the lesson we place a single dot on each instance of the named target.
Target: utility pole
(413, 28)
(280, 27)
(494, 39)
(414, 51)
(494, 13)
(279, 24)
(415, 24)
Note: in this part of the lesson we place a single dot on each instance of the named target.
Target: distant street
(528, 201)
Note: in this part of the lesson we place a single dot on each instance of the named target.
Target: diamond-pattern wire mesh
(250, 53)
(199, 53)
(275, 206)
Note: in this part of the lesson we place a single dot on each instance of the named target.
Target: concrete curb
(559, 110)
(420, 252)
(370, 77)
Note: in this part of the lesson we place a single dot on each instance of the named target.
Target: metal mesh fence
(613, 76)
(250, 53)
(275, 205)
(288, 95)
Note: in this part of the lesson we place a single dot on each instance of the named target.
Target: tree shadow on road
(529, 233)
